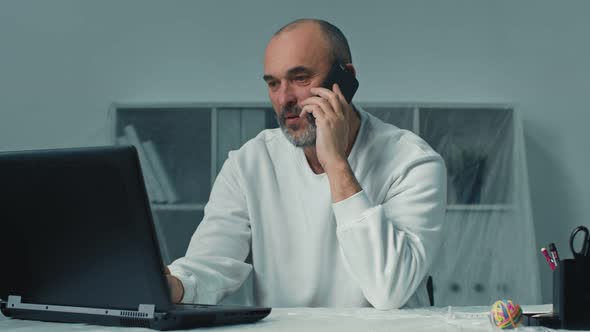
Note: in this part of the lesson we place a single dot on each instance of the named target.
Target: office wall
(63, 62)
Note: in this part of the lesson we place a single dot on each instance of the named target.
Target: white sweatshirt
(371, 249)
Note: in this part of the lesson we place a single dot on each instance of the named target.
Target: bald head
(335, 39)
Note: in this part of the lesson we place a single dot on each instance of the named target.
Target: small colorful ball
(505, 314)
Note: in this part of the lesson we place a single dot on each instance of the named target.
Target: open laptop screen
(73, 230)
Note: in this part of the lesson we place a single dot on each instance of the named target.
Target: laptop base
(185, 317)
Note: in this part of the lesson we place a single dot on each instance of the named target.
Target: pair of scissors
(585, 251)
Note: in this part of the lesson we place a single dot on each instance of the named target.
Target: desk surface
(327, 319)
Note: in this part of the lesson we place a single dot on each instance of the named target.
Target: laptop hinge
(145, 311)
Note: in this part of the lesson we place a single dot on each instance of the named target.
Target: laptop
(79, 244)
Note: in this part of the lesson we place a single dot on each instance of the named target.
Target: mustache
(291, 111)
(294, 110)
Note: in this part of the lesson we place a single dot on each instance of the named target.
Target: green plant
(460, 158)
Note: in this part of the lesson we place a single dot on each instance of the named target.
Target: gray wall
(63, 62)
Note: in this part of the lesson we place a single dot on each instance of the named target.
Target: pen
(548, 259)
(554, 254)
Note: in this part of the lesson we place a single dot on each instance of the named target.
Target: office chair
(430, 290)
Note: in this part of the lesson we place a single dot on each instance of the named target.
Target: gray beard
(305, 138)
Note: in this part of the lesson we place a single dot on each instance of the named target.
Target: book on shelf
(154, 189)
(157, 179)
(160, 172)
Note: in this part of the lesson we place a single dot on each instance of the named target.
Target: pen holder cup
(571, 293)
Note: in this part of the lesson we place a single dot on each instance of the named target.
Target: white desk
(327, 319)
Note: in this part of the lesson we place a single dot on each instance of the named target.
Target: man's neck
(310, 151)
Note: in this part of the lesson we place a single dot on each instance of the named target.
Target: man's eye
(301, 80)
(272, 84)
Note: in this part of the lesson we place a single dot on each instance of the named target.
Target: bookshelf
(479, 142)
(191, 142)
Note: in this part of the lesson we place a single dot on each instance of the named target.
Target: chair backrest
(430, 289)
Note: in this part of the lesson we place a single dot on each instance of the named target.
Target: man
(345, 212)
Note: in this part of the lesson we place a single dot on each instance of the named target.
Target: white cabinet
(488, 250)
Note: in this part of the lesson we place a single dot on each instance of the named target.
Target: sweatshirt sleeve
(214, 262)
(390, 247)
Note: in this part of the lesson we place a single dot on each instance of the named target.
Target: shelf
(178, 207)
(480, 207)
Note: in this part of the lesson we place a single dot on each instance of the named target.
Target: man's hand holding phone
(332, 117)
(331, 107)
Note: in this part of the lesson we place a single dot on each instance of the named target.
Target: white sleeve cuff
(189, 283)
(351, 209)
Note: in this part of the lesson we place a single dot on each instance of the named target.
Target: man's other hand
(176, 288)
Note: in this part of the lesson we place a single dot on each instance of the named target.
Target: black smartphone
(340, 75)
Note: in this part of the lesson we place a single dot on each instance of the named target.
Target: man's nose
(286, 95)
